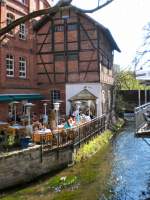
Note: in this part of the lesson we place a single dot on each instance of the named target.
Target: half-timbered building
(74, 53)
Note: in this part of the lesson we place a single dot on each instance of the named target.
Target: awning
(83, 95)
(19, 97)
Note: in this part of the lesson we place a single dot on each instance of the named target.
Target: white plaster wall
(73, 89)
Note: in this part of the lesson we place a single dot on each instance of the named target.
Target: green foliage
(125, 80)
(117, 126)
(58, 183)
(93, 146)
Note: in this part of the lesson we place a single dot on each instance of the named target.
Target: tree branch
(97, 8)
(49, 11)
(28, 17)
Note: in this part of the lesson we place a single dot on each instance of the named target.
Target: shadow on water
(130, 178)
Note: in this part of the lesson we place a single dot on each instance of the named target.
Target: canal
(130, 177)
(121, 171)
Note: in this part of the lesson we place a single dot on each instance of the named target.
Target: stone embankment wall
(25, 165)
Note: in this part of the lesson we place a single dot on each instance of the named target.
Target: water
(130, 178)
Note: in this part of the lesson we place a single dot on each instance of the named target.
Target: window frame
(22, 31)
(9, 65)
(72, 27)
(59, 28)
(22, 64)
(59, 57)
(72, 56)
(10, 19)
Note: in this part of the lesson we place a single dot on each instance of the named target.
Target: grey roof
(83, 95)
(62, 3)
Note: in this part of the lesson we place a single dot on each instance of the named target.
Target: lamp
(89, 105)
(29, 106)
(14, 104)
(56, 107)
(78, 103)
(45, 117)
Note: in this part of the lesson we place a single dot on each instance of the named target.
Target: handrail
(139, 115)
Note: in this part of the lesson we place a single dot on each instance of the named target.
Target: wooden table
(18, 129)
(3, 125)
(42, 136)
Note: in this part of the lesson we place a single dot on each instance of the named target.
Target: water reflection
(130, 179)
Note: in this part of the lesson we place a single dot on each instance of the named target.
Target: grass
(93, 146)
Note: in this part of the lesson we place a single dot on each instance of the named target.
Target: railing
(58, 138)
(77, 135)
(139, 115)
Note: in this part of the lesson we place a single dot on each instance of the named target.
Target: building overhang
(20, 97)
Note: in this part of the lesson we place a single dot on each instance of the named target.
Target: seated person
(68, 123)
(34, 117)
(73, 120)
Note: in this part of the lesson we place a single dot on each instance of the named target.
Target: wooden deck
(144, 131)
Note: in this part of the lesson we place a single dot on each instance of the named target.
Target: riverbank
(91, 174)
(72, 183)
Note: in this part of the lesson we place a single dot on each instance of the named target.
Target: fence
(139, 115)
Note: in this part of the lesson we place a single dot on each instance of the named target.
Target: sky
(125, 19)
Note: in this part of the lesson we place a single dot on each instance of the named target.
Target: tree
(49, 11)
(125, 80)
(143, 53)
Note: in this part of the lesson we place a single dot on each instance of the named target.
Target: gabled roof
(83, 95)
(106, 31)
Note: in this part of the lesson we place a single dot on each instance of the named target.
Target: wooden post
(145, 95)
(139, 97)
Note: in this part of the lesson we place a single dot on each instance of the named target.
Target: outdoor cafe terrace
(26, 133)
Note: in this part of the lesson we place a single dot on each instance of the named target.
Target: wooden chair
(10, 131)
(63, 136)
(70, 134)
(49, 138)
(36, 138)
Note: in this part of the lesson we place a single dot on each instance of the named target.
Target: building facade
(17, 53)
(63, 56)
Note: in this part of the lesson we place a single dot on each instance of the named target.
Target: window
(22, 31)
(59, 57)
(72, 56)
(10, 19)
(59, 28)
(9, 66)
(72, 27)
(22, 67)
(55, 96)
